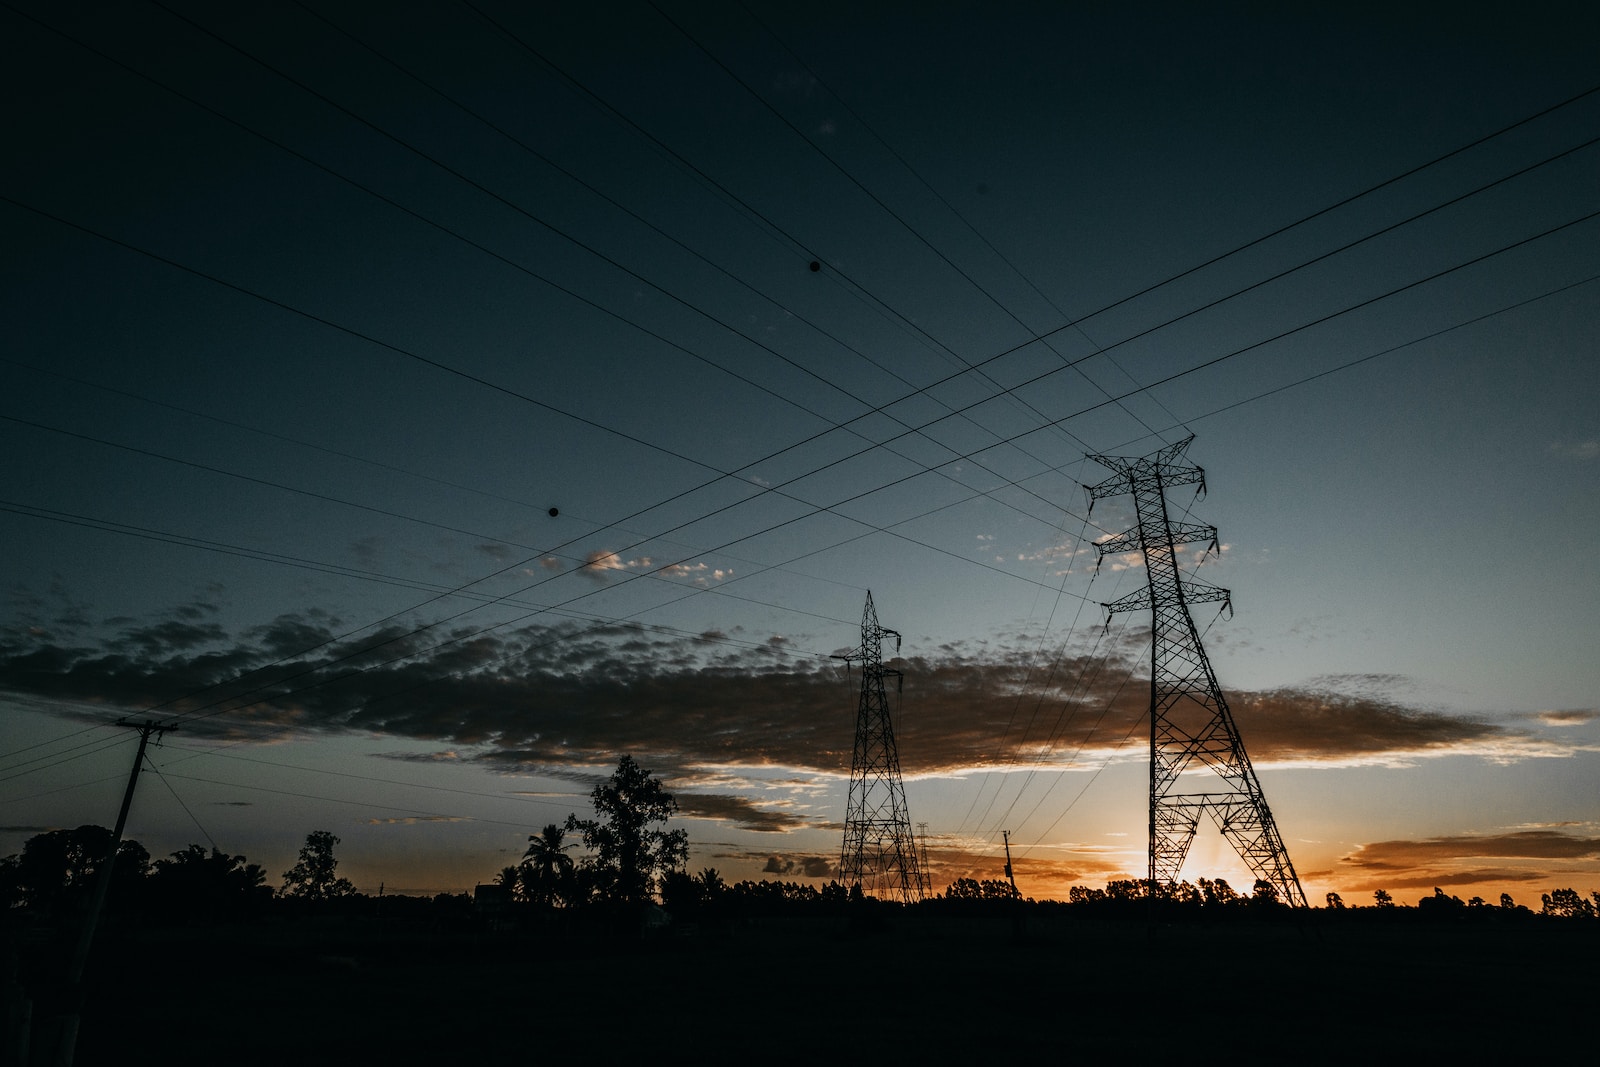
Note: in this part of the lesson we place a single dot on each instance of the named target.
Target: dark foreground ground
(939, 988)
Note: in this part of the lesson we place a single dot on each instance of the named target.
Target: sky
(420, 408)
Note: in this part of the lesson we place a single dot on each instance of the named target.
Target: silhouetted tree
(545, 874)
(679, 893)
(628, 852)
(315, 877)
(1126, 889)
(711, 885)
(1264, 894)
(1567, 904)
(1186, 894)
(1382, 899)
(1441, 905)
(194, 883)
(776, 895)
(57, 869)
(694, 897)
(987, 889)
(1335, 901)
(10, 884)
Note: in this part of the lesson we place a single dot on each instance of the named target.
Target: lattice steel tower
(879, 853)
(1193, 740)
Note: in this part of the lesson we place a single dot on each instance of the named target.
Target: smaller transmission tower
(923, 865)
(879, 853)
(1198, 764)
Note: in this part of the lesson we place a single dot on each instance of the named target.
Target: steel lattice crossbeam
(879, 853)
(1191, 729)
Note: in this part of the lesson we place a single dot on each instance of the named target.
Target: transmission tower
(1193, 740)
(879, 853)
(923, 866)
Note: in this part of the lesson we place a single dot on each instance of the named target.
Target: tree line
(55, 873)
(631, 858)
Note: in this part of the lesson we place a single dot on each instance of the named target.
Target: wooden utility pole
(1017, 921)
(67, 1033)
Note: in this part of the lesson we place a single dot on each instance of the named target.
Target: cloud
(598, 563)
(740, 811)
(1585, 449)
(295, 634)
(1310, 726)
(181, 633)
(446, 756)
(1568, 717)
(701, 574)
(1519, 856)
(568, 697)
(1520, 844)
(601, 560)
(799, 866)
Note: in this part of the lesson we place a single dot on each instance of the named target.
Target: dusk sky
(425, 405)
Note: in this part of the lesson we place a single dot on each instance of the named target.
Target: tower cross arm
(1188, 533)
(1134, 472)
(1138, 600)
(1122, 542)
(1205, 593)
(1178, 533)
(1116, 485)
(1172, 475)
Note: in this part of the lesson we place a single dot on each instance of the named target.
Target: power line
(1368, 357)
(370, 805)
(202, 753)
(50, 761)
(590, 249)
(895, 215)
(971, 456)
(1347, 365)
(959, 216)
(1179, 374)
(761, 489)
(831, 424)
(1279, 336)
(192, 817)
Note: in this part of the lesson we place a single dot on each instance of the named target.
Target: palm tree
(546, 868)
(711, 885)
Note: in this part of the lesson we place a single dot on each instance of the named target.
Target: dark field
(940, 987)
